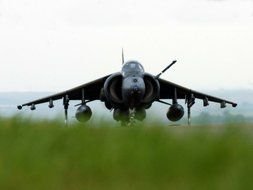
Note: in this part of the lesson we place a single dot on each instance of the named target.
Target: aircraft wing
(167, 92)
(91, 92)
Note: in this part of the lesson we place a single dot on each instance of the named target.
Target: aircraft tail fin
(122, 56)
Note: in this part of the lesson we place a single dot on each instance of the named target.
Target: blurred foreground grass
(47, 155)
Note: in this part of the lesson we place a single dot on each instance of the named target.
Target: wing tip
(234, 105)
(19, 107)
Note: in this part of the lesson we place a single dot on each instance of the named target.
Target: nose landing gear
(129, 117)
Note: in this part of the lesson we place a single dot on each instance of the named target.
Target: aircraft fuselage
(133, 85)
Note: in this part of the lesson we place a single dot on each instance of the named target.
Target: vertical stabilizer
(123, 61)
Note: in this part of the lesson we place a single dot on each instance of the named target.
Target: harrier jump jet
(128, 94)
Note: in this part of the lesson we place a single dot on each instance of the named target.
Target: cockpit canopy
(132, 68)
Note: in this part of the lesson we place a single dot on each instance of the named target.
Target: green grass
(47, 155)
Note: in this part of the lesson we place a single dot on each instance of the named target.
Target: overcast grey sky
(53, 45)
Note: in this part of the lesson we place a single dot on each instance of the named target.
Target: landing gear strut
(190, 102)
(132, 119)
(66, 106)
(127, 117)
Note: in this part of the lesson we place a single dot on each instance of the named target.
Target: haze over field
(54, 45)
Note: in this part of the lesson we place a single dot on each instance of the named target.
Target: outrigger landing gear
(190, 102)
(66, 106)
(189, 115)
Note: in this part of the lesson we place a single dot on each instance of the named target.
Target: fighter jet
(128, 94)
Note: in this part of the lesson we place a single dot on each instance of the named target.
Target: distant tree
(226, 118)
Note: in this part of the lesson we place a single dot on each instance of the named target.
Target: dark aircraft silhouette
(129, 93)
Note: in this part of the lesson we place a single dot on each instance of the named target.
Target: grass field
(48, 155)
